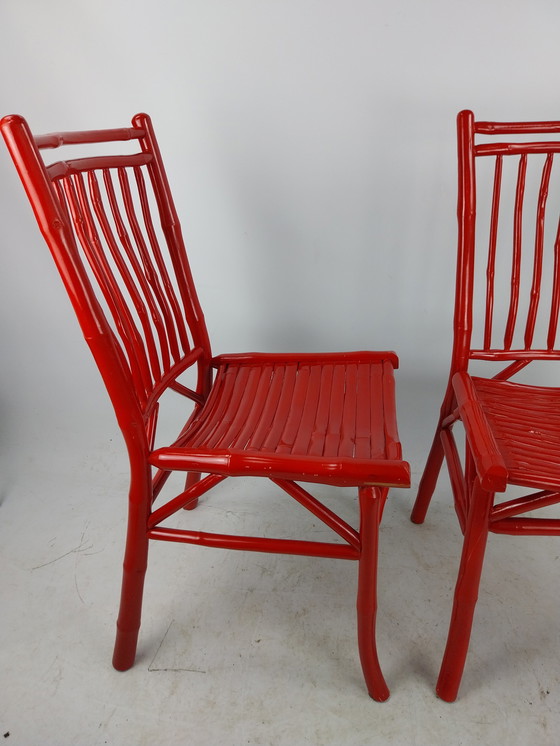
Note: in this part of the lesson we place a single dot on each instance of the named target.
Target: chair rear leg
(192, 478)
(134, 571)
(466, 594)
(372, 500)
(434, 462)
(429, 480)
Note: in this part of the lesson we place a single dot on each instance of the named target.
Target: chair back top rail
(515, 128)
(57, 139)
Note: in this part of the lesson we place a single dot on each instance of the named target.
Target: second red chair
(506, 318)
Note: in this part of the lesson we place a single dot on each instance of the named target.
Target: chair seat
(525, 421)
(306, 417)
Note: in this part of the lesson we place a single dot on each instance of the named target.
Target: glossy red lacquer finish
(506, 317)
(114, 234)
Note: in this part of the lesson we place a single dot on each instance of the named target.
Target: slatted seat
(507, 305)
(525, 421)
(113, 231)
(286, 409)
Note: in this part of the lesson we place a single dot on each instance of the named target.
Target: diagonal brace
(331, 519)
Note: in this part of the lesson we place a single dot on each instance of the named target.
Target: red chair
(506, 317)
(111, 226)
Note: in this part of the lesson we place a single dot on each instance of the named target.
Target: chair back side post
(464, 279)
(466, 216)
(171, 227)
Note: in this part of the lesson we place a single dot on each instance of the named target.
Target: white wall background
(311, 148)
(310, 145)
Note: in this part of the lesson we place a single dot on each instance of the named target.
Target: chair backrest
(508, 271)
(111, 226)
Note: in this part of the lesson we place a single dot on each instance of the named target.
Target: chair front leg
(372, 500)
(466, 593)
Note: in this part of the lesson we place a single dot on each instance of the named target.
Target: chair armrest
(488, 460)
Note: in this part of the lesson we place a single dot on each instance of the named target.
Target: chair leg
(192, 478)
(466, 594)
(128, 622)
(134, 571)
(372, 500)
(429, 480)
(434, 462)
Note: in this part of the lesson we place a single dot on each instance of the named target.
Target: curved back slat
(111, 225)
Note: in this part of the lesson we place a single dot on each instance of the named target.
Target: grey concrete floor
(239, 648)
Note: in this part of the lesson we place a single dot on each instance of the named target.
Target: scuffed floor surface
(240, 648)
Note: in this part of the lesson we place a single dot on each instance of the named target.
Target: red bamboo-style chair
(112, 228)
(506, 317)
